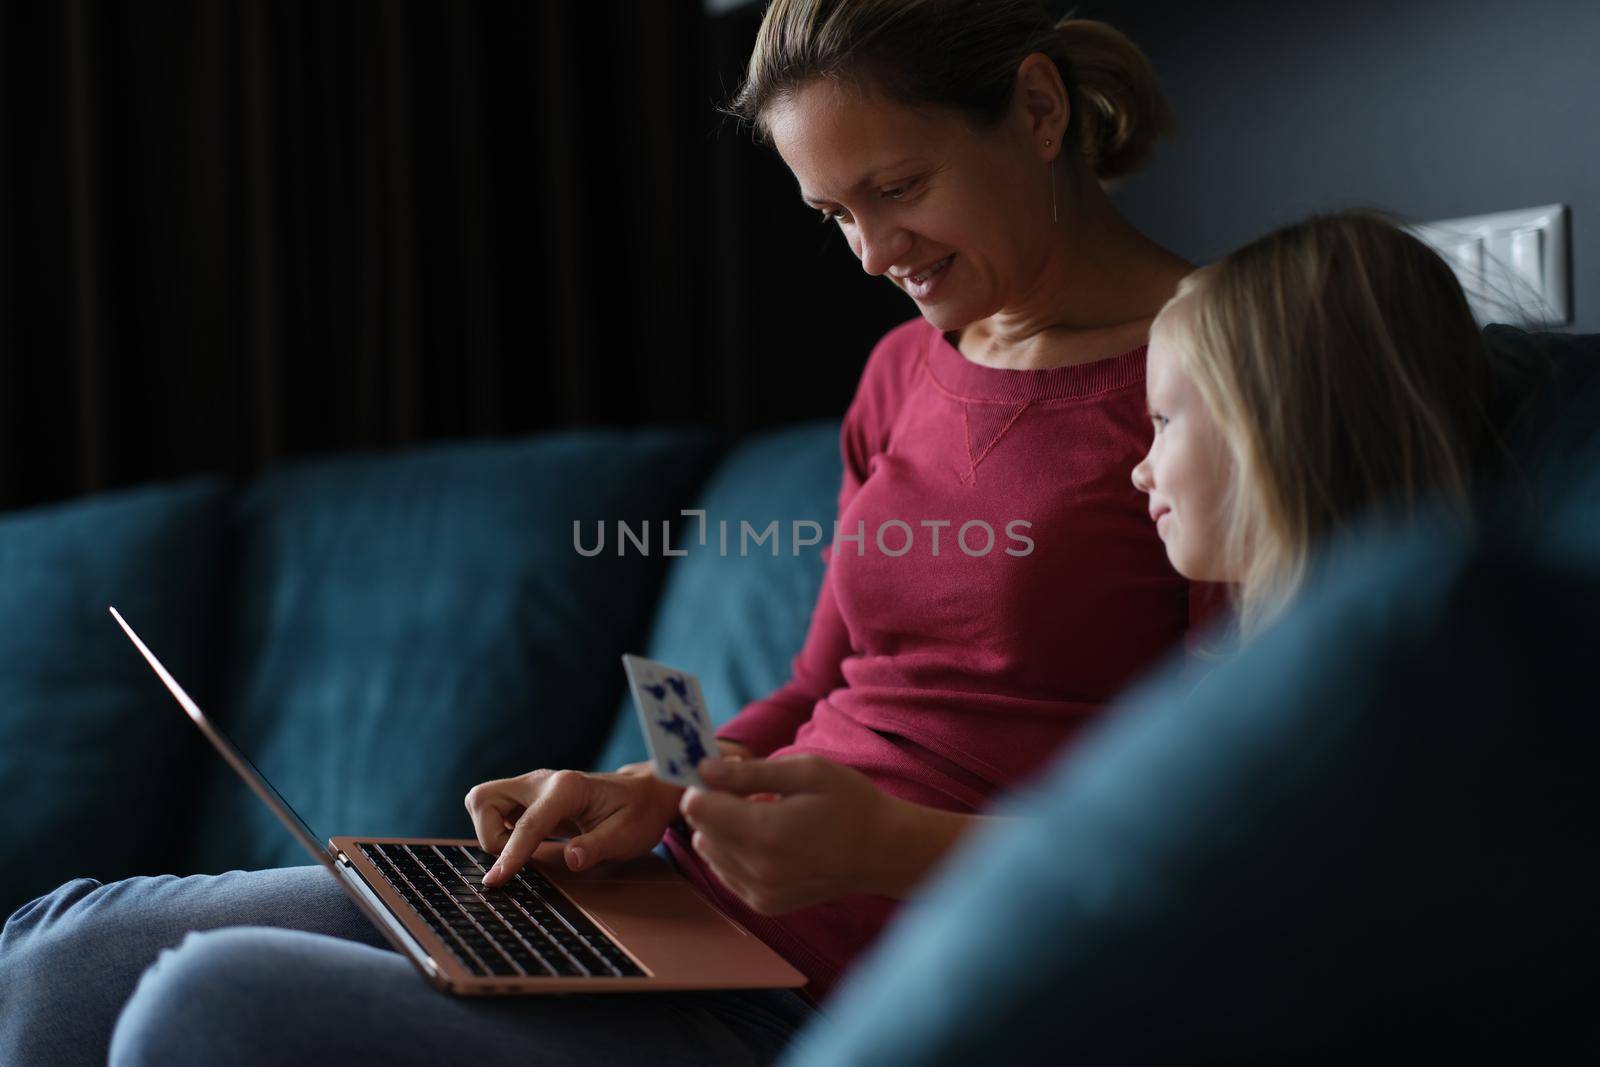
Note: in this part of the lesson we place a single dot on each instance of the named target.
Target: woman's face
(958, 218)
(1188, 473)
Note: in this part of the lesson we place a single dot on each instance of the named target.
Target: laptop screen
(230, 752)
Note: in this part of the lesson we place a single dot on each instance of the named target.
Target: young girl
(1327, 368)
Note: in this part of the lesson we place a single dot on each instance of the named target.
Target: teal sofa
(1265, 860)
(378, 633)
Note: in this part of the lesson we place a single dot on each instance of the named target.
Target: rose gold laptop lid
(648, 909)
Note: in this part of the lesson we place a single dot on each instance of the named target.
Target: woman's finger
(565, 794)
(730, 817)
(730, 880)
(490, 805)
(723, 861)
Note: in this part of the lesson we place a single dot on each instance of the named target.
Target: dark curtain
(236, 232)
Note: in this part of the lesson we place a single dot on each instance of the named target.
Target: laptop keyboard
(523, 927)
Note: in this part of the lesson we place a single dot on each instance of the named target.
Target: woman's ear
(1041, 104)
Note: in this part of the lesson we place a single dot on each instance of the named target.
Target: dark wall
(790, 309)
(233, 233)
(1430, 108)
(236, 233)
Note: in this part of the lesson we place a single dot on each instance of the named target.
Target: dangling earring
(1053, 216)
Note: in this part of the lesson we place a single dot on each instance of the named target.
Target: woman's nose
(882, 247)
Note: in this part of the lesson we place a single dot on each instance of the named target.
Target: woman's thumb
(585, 850)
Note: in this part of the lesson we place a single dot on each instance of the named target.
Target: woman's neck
(1095, 297)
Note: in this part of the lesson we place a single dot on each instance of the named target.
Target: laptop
(620, 926)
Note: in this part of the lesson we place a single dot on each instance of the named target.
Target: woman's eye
(833, 215)
(895, 192)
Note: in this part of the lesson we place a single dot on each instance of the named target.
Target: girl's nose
(1141, 475)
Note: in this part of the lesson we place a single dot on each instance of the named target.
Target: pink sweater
(948, 675)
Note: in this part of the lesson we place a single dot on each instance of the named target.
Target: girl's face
(957, 218)
(1188, 473)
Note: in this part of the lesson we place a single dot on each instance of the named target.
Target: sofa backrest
(403, 627)
(377, 633)
(97, 764)
(736, 617)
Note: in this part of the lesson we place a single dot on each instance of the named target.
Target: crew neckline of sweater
(961, 377)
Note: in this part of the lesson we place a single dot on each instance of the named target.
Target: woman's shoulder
(896, 361)
(904, 346)
(893, 369)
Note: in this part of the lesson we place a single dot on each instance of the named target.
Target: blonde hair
(1345, 370)
(962, 55)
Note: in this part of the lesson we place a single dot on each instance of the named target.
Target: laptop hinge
(353, 878)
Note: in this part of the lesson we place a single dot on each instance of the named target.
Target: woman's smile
(921, 284)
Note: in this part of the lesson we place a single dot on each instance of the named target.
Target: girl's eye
(834, 215)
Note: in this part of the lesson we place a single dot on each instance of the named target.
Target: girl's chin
(1196, 570)
(1175, 555)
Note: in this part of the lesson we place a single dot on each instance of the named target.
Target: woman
(1324, 370)
(960, 148)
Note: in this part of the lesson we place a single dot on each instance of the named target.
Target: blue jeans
(279, 966)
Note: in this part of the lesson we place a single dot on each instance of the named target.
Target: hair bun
(1121, 110)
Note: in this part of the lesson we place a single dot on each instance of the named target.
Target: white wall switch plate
(1512, 264)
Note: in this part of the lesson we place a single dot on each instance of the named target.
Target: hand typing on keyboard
(618, 815)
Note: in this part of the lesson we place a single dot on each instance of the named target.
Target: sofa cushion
(737, 620)
(1371, 830)
(405, 626)
(1548, 398)
(97, 763)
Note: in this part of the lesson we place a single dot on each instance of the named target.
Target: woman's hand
(823, 834)
(609, 816)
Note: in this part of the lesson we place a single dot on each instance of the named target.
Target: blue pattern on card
(675, 724)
